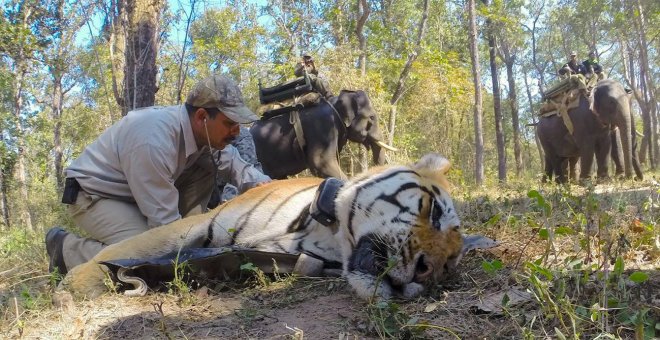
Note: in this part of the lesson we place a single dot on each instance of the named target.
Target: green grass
(588, 260)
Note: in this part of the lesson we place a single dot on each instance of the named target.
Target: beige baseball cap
(222, 93)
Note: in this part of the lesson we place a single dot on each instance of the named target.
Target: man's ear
(200, 115)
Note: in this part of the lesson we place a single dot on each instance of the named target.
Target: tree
(510, 39)
(142, 27)
(412, 56)
(497, 105)
(478, 110)
(68, 17)
(21, 40)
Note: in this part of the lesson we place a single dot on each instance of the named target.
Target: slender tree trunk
(540, 69)
(4, 207)
(497, 100)
(646, 77)
(56, 107)
(398, 92)
(142, 42)
(631, 80)
(363, 15)
(533, 114)
(478, 110)
(21, 171)
(515, 115)
(181, 78)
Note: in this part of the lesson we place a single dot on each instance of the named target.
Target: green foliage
(389, 320)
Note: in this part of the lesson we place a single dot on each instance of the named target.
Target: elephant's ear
(433, 162)
(344, 105)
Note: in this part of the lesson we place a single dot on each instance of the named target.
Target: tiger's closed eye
(436, 214)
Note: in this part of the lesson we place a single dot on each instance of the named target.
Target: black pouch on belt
(71, 188)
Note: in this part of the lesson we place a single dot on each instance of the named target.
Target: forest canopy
(70, 69)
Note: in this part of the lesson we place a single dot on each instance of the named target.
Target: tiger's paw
(412, 290)
(368, 287)
(85, 280)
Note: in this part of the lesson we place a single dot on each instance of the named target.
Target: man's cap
(592, 53)
(573, 53)
(221, 93)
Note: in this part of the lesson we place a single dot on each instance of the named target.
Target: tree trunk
(540, 69)
(21, 171)
(497, 101)
(646, 77)
(478, 129)
(56, 107)
(398, 92)
(142, 41)
(533, 114)
(181, 77)
(4, 207)
(362, 64)
(515, 115)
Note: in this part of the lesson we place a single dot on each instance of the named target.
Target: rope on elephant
(559, 105)
(565, 96)
(294, 119)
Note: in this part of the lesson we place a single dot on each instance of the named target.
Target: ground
(572, 261)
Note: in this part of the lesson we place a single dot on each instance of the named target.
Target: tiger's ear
(477, 242)
(433, 162)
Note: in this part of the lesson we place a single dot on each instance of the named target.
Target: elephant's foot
(585, 182)
(85, 280)
(603, 180)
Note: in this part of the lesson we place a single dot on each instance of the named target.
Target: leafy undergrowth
(572, 262)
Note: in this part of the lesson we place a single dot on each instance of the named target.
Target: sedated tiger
(394, 228)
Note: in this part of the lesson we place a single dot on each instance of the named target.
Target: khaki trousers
(109, 221)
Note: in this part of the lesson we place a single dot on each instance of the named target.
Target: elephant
(594, 130)
(326, 128)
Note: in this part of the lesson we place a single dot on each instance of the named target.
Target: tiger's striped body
(394, 221)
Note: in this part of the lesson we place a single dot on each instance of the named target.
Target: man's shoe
(54, 244)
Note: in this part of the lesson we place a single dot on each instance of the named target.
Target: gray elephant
(326, 127)
(592, 135)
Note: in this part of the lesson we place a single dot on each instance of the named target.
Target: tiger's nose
(423, 270)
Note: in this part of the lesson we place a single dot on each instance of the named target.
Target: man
(572, 66)
(150, 168)
(591, 66)
(320, 85)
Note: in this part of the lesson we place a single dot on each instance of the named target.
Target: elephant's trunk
(626, 145)
(378, 153)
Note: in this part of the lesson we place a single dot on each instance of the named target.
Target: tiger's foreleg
(87, 279)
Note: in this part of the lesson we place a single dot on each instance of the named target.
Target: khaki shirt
(139, 158)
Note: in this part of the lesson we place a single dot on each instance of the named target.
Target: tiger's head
(398, 228)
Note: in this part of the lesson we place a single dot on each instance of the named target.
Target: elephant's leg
(602, 152)
(586, 159)
(325, 163)
(560, 165)
(549, 169)
(635, 157)
(572, 169)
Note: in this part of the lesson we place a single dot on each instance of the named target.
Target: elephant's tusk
(385, 146)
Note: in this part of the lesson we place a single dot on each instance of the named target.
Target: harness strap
(294, 119)
(562, 107)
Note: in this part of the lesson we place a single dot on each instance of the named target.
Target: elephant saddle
(286, 97)
(564, 96)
